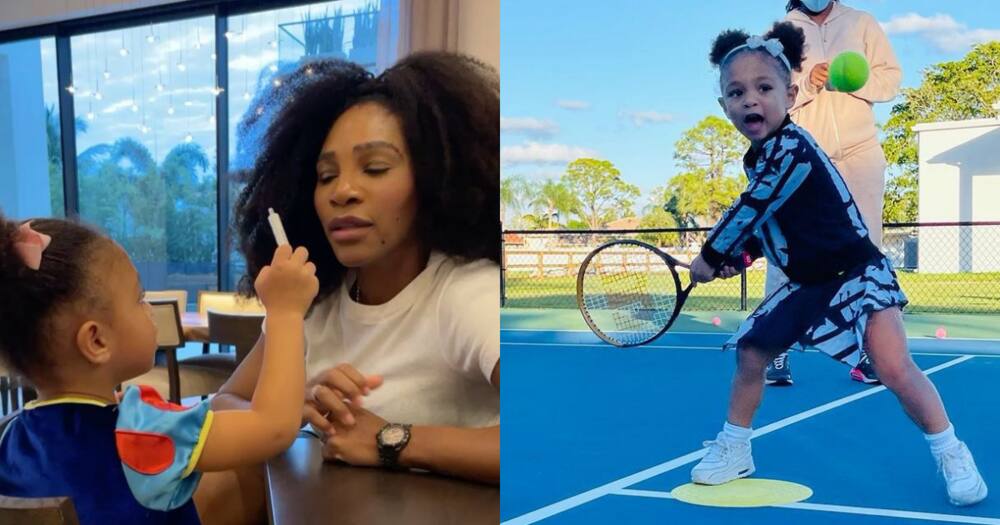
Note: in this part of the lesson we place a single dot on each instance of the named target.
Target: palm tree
(158, 213)
(325, 36)
(553, 199)
(514, 189)
(191, 223)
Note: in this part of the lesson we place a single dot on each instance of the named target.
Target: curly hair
(792, 40)
(449, 109)
(30, 299)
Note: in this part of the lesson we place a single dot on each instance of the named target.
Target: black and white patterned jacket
(796, 211)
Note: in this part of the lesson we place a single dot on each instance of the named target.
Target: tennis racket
(626, 296)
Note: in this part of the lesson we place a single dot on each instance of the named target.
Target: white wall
(959, 181)
(25, 13)
(24, 180)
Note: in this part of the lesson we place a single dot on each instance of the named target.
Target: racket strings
(628, 298)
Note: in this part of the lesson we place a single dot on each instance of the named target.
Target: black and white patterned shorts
(830, 317)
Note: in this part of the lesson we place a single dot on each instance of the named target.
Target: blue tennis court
(597, 434)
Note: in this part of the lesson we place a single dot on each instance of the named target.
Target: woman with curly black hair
(392, 184)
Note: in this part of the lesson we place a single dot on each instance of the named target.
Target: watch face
(393, 435)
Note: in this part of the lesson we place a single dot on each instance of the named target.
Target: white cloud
(575, 105)
(914, 23)
(540, 153)
(641, 118)
(117, 106)
(528, 126)
(940, 30)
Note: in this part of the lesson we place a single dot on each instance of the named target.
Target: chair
(14, 391)
(242, 330)
(181, 296)
(222, 302)
(37, 511)
(227, 302)
(179, 378)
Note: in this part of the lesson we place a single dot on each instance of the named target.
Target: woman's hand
(701, 272)
(819, 75)
(329, 393)
(355, 444)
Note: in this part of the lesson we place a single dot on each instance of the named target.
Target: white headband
(772, 45)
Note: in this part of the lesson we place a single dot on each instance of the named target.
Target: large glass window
(263, 46)
(145, 124)
(146, 151)
(31, 178)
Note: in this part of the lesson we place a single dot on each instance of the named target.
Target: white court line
(718, 348)
(714, 347)
(543, 330)
(843, 509)
(617, 485)
(588, 331)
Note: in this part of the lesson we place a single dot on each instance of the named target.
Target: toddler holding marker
(76, 325)
(797, 212)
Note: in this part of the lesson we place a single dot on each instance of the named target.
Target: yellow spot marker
(747, 492)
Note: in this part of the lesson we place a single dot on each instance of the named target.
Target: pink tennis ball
(940, 333)
(716, 321)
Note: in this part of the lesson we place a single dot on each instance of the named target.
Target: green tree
(900, 203)
(551, 199)
(117, 193)
(158, 213)
(710, 156)
(515, 191)
(54, 147)
(658, 218)
(657, 213)
(190, 224)
(531, 221)
(959, 90)
(601, 194)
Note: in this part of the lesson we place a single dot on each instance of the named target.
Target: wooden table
(195, 326)
(302, 489)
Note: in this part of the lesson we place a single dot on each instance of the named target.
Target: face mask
(815, 6)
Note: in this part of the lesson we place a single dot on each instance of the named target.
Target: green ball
(848, 72)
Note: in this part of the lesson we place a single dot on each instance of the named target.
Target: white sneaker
(723, 463)
(965, 485)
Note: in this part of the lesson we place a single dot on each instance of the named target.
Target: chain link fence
(943, 267)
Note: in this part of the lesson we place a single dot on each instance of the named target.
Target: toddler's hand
(289, 283)
(729, 271)
(701, 272)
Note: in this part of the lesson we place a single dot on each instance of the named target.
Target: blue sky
(585, 77)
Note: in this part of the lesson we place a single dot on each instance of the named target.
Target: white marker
(276, 227)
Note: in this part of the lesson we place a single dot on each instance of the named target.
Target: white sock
(942, 441)
(736, 434)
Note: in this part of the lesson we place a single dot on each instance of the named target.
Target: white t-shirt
(436, 344)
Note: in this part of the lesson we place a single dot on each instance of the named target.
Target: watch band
(388, 455)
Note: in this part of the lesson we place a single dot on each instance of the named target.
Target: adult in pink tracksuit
(842, 123)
